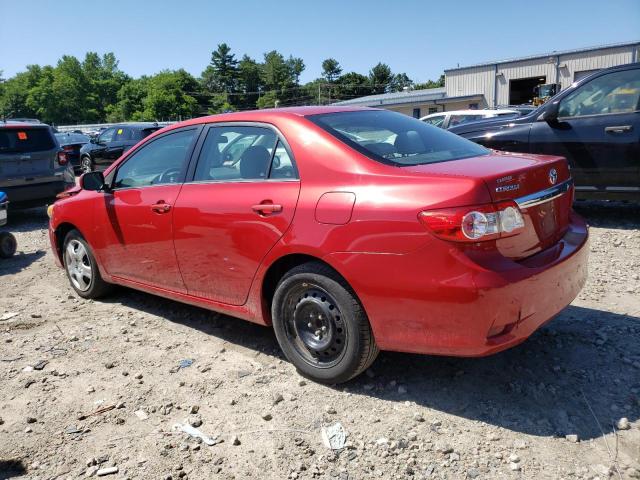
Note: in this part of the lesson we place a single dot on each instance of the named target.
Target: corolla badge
(553, 176)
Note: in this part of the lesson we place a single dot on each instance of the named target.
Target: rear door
(239, 203)
(27, 154)
(116, 147)
(598, 131)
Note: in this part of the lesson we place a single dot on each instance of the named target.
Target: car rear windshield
(24, 140)
(396, 139)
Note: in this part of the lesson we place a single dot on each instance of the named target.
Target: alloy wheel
(78, 265)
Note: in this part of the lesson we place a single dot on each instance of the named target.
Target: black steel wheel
(320, 324)
(8, 245)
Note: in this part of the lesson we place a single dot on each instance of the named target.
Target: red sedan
(349, 230)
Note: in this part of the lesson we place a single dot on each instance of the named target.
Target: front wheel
(321, 326)
(82, 268)
(8, 245)
(86, 164)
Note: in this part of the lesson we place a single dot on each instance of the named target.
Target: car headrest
(254, 162)
(408, 143)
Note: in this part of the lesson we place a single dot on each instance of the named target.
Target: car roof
(496, 111)
(18, 124)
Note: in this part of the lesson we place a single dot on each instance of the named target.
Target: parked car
(458, 117)
(8, 243)
(525, 109)
(111, 143)
(420, 241)
(595, 124)
(71, 143)
(33, 167)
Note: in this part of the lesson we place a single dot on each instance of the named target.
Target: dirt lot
(565, 404)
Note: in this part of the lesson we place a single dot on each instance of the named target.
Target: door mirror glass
(92, 181)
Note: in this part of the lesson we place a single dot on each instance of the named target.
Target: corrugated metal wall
(471, 81)
(481, 79)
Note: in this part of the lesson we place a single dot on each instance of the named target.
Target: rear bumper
(441, 300)
(36, 194)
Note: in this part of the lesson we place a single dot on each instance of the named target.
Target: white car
(457, 117)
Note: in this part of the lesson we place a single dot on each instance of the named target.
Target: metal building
(511, 82)
(504, 82)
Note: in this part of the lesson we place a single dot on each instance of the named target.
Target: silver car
(33, 166)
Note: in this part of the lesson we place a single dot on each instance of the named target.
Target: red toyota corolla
(349, 230)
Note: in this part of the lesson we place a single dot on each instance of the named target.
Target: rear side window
(24, 140)
(396, 139)
(144, 133)
(236, 153)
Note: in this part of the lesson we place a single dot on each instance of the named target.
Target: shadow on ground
(546, 386)
(618, 215)
(19, 261)
(11, 469)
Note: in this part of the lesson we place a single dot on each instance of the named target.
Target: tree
(431, 84)
(167, 96)
(249, 82)
(297, 66)
(331, 69)
(380, 77)
(399, 82)
(352, 85)
(221, 74)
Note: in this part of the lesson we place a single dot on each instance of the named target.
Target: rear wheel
(86, 164)
(81, 267)
(8, 245)
(321, 326)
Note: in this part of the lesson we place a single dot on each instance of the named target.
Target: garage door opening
(521, 90)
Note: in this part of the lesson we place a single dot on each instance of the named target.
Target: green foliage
(96, 90)
(331, 69)
(430, 84)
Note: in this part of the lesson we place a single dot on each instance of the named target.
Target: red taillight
(62, 158)
(474, 224)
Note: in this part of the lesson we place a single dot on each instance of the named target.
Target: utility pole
(319, 85)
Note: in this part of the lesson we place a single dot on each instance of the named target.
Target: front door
(135, 220)
(598, 131)
(99, 152)
(239, 203)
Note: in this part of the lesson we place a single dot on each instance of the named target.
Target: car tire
(86, 164)
(8, 245)
(321, 325)
(82, 268)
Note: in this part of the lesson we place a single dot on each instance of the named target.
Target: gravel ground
(88, 388)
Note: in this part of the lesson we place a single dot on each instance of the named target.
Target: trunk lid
(27, 152)
(539, 184)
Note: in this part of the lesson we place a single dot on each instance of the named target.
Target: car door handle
(619, 129)
(161, 207)
(265, 208)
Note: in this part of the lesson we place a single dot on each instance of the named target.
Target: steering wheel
(169, 175)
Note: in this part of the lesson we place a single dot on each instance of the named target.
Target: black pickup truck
(595, 124)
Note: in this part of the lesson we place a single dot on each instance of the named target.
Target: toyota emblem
(553, 176)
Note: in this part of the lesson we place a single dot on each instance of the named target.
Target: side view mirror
(92, 181)
(550, 113)
(93, 140)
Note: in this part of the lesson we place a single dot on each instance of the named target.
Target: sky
(421, 38)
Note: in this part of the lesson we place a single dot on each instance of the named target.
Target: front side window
(617, 92)
(460, 119)
(235, 153)
(396, 139)
(107, 135)
(435, 121)
(159, 162)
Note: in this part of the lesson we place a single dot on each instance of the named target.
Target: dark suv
(111, 143)
(33, 166)
(595, 124)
